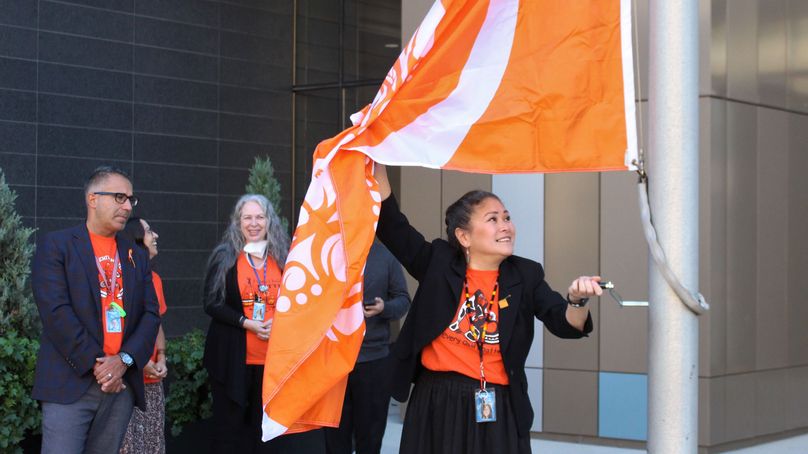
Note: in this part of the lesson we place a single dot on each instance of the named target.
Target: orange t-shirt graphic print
(456, 350)
(104, 249)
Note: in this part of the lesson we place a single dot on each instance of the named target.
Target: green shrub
(19, 327)
(19, 413)
(17, 310)
(188, 398)
(262, 181)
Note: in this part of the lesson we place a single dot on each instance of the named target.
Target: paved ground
(795, 445)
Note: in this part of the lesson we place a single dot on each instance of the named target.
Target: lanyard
(480, 336)
(112, 283)
(262, 285)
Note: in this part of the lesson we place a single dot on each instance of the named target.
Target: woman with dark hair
(145, 433)
(241, 287)
(467, 335)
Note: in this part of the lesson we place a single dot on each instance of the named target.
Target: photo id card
(113, 319)
(485, 405)
(258, 311)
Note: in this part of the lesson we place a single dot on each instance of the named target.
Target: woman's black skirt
(441, 419)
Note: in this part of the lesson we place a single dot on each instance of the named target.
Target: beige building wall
(753, 212)
(754, 251)
(753, 248)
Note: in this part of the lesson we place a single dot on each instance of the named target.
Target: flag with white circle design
(488, 86)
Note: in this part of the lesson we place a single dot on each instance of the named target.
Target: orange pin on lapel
(131, 260)
(503, 303)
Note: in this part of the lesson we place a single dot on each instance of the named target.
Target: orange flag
(492, 86)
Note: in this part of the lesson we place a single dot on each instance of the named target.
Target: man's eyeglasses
(120, 197)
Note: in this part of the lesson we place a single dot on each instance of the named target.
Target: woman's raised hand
(381, 177)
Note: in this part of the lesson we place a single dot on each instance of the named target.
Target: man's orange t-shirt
(249, 286)
(455, 350)
(105, 249)
(158, 288)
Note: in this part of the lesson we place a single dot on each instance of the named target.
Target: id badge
(485, 405)
(258, 311)
(113, 318)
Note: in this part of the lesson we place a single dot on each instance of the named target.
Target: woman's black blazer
(440, 271)
(226, 343)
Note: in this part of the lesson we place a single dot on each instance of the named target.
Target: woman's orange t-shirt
(104, 249)
(158, 288)
(455, 350)
(249, 286)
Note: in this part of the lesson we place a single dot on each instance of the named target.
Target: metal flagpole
(673, 179)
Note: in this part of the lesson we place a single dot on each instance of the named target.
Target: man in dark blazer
(88, 394)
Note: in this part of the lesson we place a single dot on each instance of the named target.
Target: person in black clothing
(470, 327)
(241, 288)
(367, 396)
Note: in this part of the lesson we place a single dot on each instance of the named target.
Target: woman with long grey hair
(241, 287)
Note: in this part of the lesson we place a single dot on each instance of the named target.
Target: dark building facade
(183, 95)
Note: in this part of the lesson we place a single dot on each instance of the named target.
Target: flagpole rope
(694, 301)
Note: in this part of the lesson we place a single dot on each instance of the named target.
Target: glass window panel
(372, 39)
(317, 40)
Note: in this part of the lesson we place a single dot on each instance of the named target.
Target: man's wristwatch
(127, 360)
(581, 303)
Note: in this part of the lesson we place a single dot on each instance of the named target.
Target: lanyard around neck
(262, 285)
(479, 338)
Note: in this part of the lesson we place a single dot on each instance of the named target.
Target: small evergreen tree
(262, 181)
(17, 310)
(19, 327)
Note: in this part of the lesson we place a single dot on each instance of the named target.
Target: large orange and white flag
(491, 86)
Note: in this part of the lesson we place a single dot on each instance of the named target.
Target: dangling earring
(468, 256)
